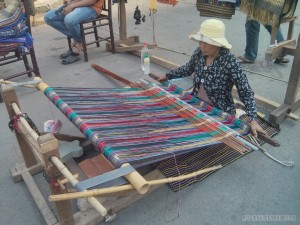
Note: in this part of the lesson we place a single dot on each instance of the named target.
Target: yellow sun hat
(212, 31)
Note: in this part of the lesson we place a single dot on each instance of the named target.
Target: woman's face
(208, 49)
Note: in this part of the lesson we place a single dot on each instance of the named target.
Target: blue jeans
(252, 37)
(69, 24)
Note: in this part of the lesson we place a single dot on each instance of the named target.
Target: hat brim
(220, 42)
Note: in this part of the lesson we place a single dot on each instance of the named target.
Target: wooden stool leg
(34, 63)
(69, 43)
(112, 39)
(26, 64)
(96, 33)
(83, 43)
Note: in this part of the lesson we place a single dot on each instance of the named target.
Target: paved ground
(253, 185)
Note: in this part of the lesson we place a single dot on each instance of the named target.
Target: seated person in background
(66, 19)
(215, 71)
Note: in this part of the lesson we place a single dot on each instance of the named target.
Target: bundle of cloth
(217, 8)
(14, 34)
(269, 12)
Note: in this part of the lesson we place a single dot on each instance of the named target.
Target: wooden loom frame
(41, 153)
(47, 145)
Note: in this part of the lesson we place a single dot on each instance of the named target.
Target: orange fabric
(98, 6)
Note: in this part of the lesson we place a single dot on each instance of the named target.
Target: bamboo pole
(137, 181)
(41, 86)
(2, 81)
(17, 111)
(126, 187)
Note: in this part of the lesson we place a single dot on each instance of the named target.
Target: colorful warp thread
(128, 125)
(207, 157)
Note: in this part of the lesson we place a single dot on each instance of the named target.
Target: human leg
(279, 36)
(73, 19)
(55, 19)
(252, 34)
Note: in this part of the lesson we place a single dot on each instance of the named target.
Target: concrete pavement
(252, 185)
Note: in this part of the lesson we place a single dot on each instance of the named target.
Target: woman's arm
(76, 4)
(187, 69)
(246, 95)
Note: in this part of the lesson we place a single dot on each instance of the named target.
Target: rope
(13, 123)
(284, 163)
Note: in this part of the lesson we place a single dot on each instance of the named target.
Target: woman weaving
(215, 71)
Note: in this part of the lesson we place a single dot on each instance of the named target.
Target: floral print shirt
(218, 80)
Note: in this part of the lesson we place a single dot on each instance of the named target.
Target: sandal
(70, 59)
(242, 59)
(67, 54)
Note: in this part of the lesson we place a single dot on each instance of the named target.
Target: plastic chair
(91, 27)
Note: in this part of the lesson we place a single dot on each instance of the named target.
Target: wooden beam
(91, 217)
(294, 79)
(266, 103)
(17, 170)
(279, 114)
(39, 199)
(289, 50)
(157, 60)
(132, 48)
(122, 27)
(9, 97)
(49, 148)
(277, 51)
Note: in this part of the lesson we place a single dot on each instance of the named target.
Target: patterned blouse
(218, 80)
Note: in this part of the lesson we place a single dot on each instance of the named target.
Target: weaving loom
(142, 125)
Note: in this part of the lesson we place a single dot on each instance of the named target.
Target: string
(127, 125)
(174, 105)
(179, 199)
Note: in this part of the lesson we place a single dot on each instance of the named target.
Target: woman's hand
(162, 78)
(256, 128)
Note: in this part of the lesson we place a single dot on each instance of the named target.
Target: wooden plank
(279, 114)
(269, 104)
(132, 48)
(129, 41)
(89, 169)
(39, 199)
(123, 26)
(278, 50)
(17, 170)
(289, 50)
(157, 60)
(102, 164)
(48, 148)
(91, 217)
(294, 79)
